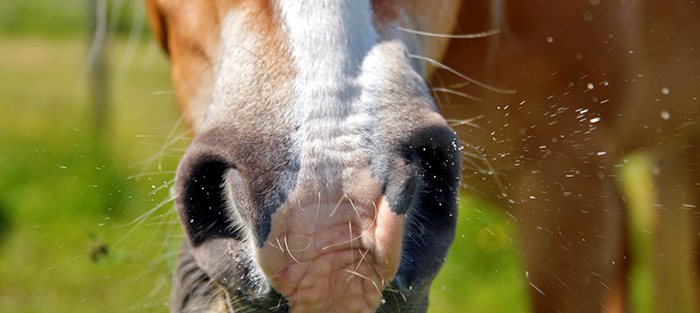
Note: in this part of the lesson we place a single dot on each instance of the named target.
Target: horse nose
(229, 190)
(416, 160)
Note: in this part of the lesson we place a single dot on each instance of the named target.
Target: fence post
(97, 65)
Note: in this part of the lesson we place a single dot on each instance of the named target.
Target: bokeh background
(90, 137)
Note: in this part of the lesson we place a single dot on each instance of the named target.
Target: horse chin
(333, 262)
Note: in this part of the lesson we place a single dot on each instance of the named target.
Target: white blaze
(328, 42)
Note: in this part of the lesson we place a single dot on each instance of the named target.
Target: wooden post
(97, 65)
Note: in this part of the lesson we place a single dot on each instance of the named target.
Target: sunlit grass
(70, 243)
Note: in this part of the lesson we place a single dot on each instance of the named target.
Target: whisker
(457, 93)
(279, 244)
(468, 122)
(473, 165)
(361, 235)
(289, 251)
(483, 34)
(362, 259)
(139, 221)
(229, 304)
(356, 274)
(166, 146)
(318, 209)
(352, 251)
(278, 306)
(147, 214)
(352, 204)
(378, 290)
(437, 99)
(169, 142)
(393, 294)
(163, 223)
(167, 184)
(460, 75)
(376, 212)
(490, 170)
(383, 280)
(151, 173)
(337, 205)
(302, 249)
(459, 85)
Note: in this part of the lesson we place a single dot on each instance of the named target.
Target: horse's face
(322, 177)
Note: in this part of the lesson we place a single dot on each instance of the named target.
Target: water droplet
(665, 115)
(594, 120)
(550, 39)
(590, 86)
(587, 16)
(665, 90)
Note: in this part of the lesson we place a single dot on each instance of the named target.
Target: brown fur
(556, 167)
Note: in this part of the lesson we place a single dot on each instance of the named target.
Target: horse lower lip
(340, 281)
(342, 267)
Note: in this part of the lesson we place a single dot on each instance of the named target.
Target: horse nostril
(425, 186)
(201, 200)
(438, 164)
(431, 168)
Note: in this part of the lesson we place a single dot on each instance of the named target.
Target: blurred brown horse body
(595, 80)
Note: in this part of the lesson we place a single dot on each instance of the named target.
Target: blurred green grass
(62, 18)
(75, 238)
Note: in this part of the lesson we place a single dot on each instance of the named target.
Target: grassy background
(85, 225)
(81, 225)
(71, 238)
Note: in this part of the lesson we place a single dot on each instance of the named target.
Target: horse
(325, 168)
(598, 82)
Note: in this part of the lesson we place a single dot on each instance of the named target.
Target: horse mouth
(373, 244)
